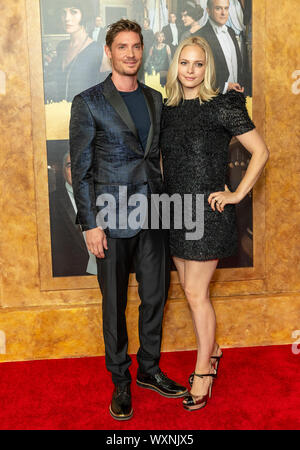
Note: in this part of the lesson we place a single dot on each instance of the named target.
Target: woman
(191, 15)
(159, 58)
(76, 66)
(148, 37)
(197, 126)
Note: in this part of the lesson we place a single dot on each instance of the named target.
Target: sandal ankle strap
(201, 375)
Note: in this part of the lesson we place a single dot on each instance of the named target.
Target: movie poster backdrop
(71, 65)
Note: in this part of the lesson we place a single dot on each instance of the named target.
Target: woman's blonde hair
(174, 88)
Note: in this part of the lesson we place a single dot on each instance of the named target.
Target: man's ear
(107, 51)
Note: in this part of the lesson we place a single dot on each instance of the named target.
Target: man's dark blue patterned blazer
(106, 151)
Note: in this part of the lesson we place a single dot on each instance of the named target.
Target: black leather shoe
(161, 384)
(120, 407)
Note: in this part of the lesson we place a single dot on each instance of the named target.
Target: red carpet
(258, 388)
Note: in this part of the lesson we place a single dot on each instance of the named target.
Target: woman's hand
(218, 200)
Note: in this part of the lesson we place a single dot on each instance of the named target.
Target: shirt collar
(218, 29)
(69, 188)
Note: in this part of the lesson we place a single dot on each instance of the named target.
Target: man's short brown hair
(122, 25)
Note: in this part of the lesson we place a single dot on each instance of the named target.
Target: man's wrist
(225, 87)
(94, 228)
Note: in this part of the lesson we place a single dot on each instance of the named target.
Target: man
(172, 33)
(98, 27)
(69, 253)
(101, 32)
(114, 137)
(225, 48)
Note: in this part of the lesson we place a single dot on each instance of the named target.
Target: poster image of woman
(76, 64)
(159, 58)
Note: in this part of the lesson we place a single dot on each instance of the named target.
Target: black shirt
(137, 107)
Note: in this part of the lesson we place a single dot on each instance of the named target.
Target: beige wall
(42, 318)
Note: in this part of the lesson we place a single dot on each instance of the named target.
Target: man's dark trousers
(107, 156)
(148, 253)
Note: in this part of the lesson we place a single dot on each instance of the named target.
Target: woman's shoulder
(232, 98)
(185, 35)
(92, 47)
(165, 106)
(170, 110)
(219, 100)
(91, 53)
(233, 113)
(62, 45)
(171, 107)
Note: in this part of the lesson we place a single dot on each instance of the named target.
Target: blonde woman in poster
(159, 58)
(198, 123)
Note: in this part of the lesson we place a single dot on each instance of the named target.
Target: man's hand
(96, 241)
(236, 86)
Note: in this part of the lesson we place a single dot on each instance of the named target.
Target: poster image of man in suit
(222, 40)
(70, 256)
(172, 33)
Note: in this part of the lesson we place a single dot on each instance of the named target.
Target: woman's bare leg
(179, 264)
(197, 276)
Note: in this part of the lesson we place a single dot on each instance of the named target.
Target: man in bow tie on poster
(172, 33)
(225, 48)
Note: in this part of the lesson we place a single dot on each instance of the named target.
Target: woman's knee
(195, 297)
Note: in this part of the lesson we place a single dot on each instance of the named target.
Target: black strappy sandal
(214, 363)
(194, 402)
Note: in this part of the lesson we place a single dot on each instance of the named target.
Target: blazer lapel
(151, 110)
(115, 99)
(237, 49)
(68, 206)
(217, 49)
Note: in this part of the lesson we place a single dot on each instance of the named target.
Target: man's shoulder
(90, 93)
(90, 96)
(152, 91)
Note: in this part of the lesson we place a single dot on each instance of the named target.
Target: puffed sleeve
(233, 114)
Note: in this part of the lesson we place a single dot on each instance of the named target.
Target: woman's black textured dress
(194, 143)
